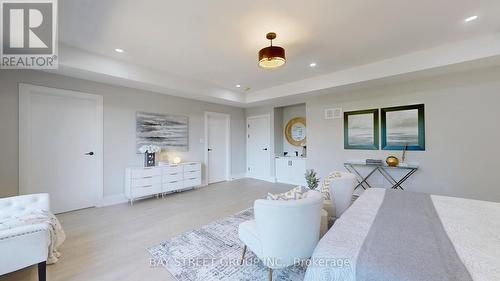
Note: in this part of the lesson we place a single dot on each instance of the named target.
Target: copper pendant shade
(272, 56)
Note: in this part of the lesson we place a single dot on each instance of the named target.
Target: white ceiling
(202, 49)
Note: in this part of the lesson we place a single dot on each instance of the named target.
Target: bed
(400, 235)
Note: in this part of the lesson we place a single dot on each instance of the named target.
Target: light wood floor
(110, 243)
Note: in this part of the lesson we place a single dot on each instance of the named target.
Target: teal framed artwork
(403, 127)
(361, 129)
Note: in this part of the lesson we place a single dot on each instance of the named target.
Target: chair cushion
(296, 193)
(325, 188)
(247, 232)
(18, 206)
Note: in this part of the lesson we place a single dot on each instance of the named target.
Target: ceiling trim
(81, 64)
(445, 55)
(78, 63)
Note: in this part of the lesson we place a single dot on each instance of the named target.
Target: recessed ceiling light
(472, 18)
(118, 50)
(312, 64)
(238, 86)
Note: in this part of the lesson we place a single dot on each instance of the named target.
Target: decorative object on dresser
(295, 131)
(361, 129)
(169, 132)
(311, 179)
(176, 160)
(149, 181)
(403, 127)
(149, 154)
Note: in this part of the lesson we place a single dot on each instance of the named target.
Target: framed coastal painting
(170, 132)
(403, 127)
(361, 129)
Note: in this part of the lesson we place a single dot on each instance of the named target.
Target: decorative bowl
(392, 161)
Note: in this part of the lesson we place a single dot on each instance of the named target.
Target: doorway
(60, 146)
(258, 147)
(217, 147)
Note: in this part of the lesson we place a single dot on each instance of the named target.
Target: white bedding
(473, 227)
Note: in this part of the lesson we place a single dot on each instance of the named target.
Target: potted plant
(311, 179)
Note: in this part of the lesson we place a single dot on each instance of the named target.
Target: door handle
(90, 153)
(264, 149)
(209, 149)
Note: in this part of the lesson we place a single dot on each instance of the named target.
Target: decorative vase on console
(149, 154)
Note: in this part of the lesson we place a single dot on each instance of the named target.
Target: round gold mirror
(295, 131)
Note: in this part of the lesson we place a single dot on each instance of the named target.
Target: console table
(382, 169)
(149, 181)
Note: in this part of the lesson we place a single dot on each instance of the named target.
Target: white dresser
(148, 181)
(291, 170)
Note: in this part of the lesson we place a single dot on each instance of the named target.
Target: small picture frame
(403, 127)
(361, 129)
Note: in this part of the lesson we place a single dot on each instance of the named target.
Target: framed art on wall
(361, 129)
(169, 132)
(403, 127)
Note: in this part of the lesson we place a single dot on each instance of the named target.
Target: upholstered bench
(25, 245)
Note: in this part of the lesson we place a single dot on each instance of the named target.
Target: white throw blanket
(43, 220)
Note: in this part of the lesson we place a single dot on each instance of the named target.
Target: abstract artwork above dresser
(170, 132)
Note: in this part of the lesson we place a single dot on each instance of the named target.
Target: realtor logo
(28, 34)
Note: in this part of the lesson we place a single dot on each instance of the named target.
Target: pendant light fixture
(272, 56)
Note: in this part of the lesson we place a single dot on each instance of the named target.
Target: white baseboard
(112, 200)
(238, 176)
(269, 179)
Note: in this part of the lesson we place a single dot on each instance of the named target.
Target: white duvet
(473, 227)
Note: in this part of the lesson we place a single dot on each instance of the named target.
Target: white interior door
(60, 146)
(217, 147)
(258, 147)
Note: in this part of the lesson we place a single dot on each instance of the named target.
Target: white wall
(462, 132)
(278, 131)
(120, 106)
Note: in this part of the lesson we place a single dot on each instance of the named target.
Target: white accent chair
(24, 246)
(341, 191)
(283, 232)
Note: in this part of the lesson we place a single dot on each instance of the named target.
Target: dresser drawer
(172, 169)
(172, 177)
(145, 181)
(146, 190)
(192, 167)
(192, 174)
(145, 172)
(172, 185)
(192, 182)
